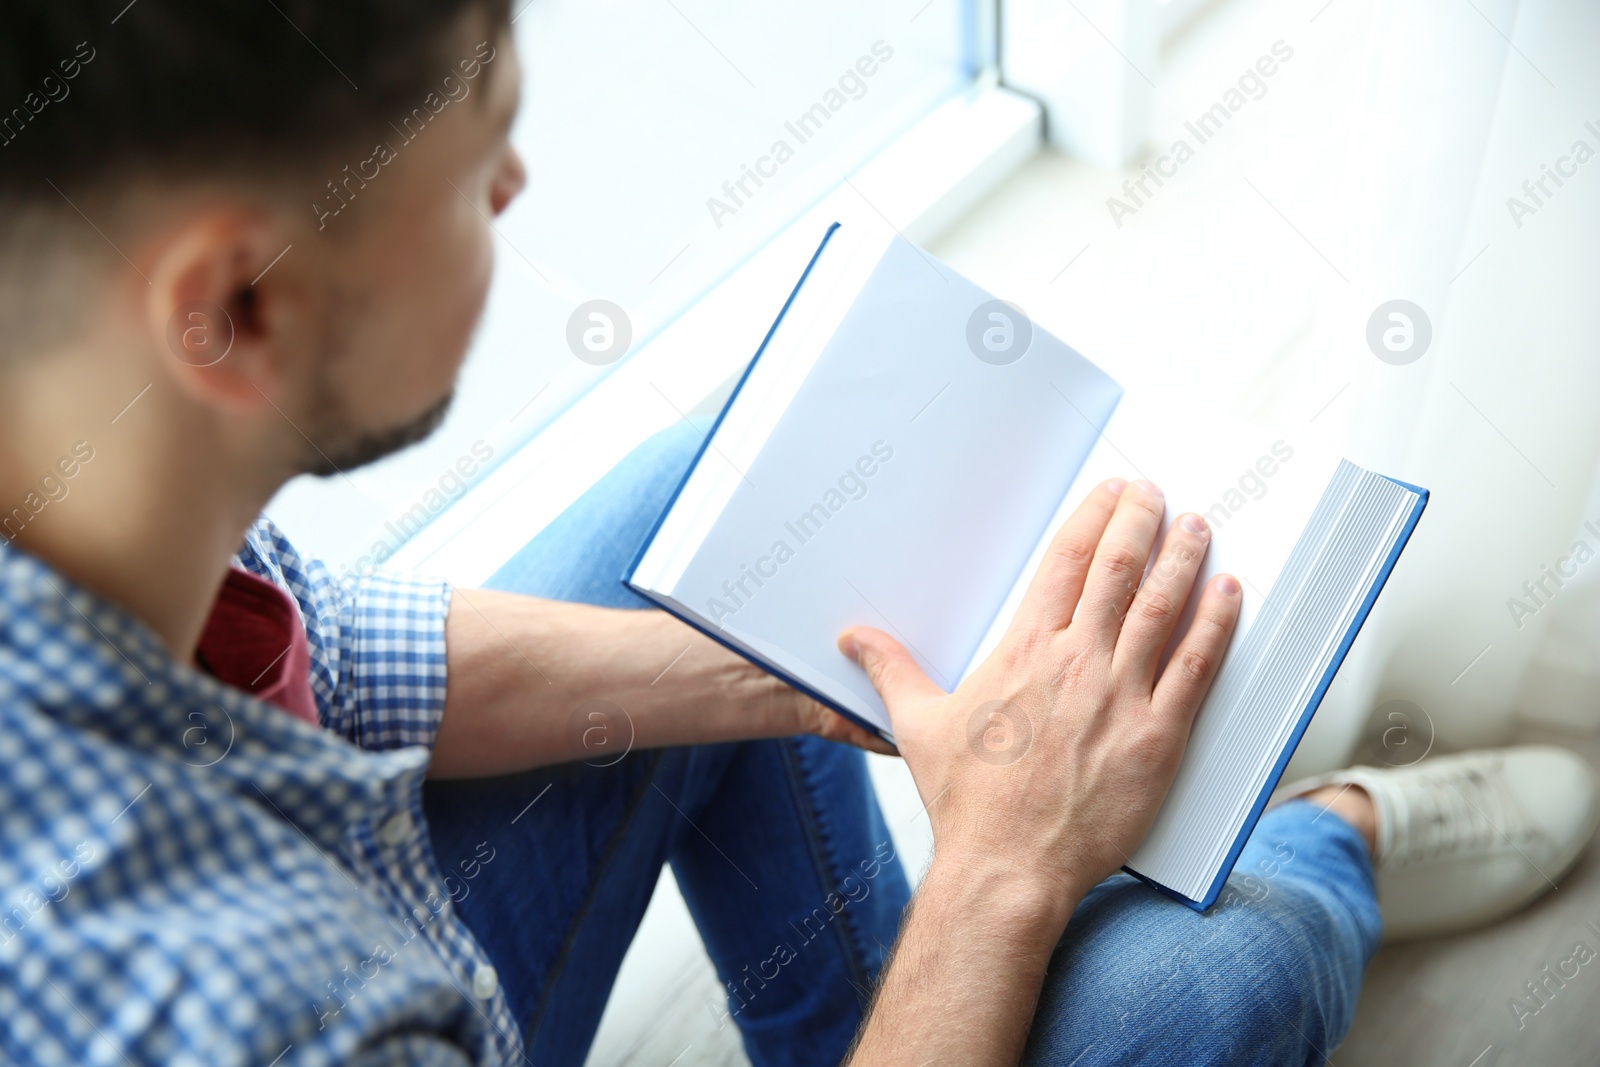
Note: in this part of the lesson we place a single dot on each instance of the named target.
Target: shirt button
(484, 981)
(396, 830)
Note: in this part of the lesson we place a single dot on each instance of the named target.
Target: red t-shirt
(254, 641)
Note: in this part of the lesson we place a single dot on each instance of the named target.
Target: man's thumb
(890, 668)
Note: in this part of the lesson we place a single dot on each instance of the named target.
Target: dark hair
(93, 94)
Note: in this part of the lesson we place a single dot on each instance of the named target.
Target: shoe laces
(1457, 811)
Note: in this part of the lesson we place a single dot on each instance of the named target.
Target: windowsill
(919, 184)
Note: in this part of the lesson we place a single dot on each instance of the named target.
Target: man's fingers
(1053, 594)
(1194, 662)
(894, 674)
(1161, 599)
(1119, 562)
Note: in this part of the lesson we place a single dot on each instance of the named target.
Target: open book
(899, 454)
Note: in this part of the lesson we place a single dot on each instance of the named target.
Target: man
(242, 241)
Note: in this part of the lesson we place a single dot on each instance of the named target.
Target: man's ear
(212, 312)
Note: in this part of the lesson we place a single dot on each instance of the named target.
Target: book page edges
(1219, 879)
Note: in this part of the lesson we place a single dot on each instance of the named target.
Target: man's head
(275, 212)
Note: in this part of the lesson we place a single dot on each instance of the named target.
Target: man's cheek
(463, 294)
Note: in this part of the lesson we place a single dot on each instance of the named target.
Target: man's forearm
(964, 978)
(534, 682)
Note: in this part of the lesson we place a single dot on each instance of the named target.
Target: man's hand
(1043, 771)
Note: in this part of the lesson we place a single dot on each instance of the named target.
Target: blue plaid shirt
(190, 876)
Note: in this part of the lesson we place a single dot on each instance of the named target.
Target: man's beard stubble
(336, 448)
(334, 444)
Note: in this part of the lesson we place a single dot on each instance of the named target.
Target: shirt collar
(76, 657)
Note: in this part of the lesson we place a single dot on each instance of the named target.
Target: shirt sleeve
(377, 642)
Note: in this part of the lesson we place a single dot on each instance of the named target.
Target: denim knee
(1283, 970)
(1267, 976)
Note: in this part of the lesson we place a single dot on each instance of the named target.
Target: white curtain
(1464, 102)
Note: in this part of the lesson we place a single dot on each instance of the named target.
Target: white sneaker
(1467, 839)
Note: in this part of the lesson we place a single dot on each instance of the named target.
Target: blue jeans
(791, 876)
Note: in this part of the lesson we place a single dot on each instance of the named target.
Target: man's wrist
(754, 695)
(1025, 904)
(737, 700)
(744, 699)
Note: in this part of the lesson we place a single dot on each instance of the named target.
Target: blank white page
(967, 462)
(1256, 486)
(838, 271)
